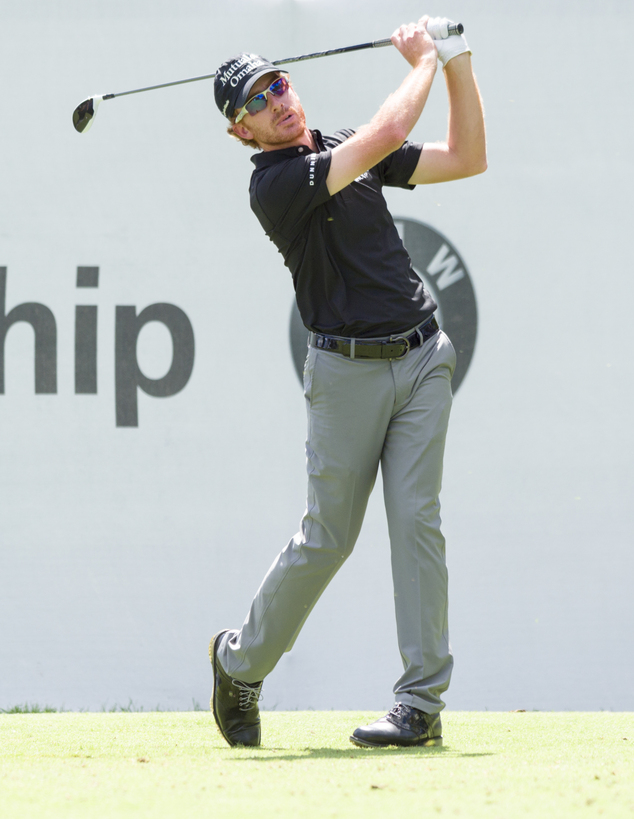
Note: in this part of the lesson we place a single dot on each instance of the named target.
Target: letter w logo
(446, 267)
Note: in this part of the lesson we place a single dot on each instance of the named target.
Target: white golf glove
(448, 46)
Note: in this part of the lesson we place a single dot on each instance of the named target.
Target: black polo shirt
(352, 275)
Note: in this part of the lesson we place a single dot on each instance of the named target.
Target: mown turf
(176, 765)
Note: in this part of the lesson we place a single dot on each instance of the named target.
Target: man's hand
(414, 43)
(447, 46)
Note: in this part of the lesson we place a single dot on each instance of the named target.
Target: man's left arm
(464, 152)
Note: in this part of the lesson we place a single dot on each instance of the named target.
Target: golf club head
(85, 112)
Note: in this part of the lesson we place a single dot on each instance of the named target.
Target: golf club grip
(454, 29)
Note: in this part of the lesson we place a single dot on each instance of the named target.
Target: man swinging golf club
(378, 372)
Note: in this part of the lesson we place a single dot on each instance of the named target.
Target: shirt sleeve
(396, 170)
(285, 195)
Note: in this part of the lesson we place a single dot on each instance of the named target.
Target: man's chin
(289, 133)
(291, 123)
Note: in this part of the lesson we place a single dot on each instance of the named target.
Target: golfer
(378, 373)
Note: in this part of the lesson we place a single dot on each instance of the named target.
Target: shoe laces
(405, 716)
(249, 694)
(397, 712)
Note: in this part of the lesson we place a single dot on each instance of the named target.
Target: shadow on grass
(283, 754)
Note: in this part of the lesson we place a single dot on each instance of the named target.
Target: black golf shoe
(403, 725)
(234, 703)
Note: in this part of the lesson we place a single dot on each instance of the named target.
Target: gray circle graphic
(444, 273)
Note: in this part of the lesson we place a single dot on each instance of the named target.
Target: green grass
(30, 708)
(131, 707)
(176, 765)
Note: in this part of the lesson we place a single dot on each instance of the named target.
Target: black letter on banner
(43, 323)
(128, 375)
(85, 349)
(86, 336)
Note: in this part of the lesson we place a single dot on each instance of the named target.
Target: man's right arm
(391, 125)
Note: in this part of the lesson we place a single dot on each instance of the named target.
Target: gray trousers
(362, 413)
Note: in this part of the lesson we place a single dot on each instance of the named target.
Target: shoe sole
(213, 650)
(431, 742)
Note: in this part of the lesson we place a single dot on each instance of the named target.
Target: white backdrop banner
(151, 418)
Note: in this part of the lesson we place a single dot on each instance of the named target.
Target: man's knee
(323, 547)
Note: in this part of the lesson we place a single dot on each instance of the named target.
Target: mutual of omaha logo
(444, 273)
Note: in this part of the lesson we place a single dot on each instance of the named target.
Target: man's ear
(241, 131)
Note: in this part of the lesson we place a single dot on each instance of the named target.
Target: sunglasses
(258, 102)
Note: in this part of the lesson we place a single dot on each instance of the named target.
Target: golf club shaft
(457, 29)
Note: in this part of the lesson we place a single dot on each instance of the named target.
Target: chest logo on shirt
(444, 273)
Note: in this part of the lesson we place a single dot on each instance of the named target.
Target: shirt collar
(264, 159)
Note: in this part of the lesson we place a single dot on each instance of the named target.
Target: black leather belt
(394, 347)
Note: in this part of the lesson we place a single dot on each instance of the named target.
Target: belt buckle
(407, 346)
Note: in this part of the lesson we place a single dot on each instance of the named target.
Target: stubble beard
(273, 136)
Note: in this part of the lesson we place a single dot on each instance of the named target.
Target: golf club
(86, 111)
